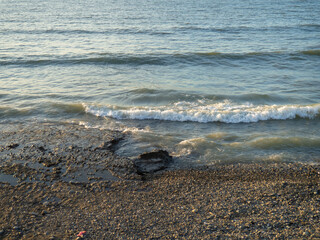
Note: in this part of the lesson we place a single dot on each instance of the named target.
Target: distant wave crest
(315, 52)
(155, 58)
(226, 112)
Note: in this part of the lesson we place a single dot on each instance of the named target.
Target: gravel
(69, 180)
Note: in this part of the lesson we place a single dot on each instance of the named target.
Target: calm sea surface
(210, 81)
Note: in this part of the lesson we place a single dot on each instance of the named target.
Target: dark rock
(115, 141)
(109, 145)
(44, 213)
(13, 145)
(42, 149)
(151, 162)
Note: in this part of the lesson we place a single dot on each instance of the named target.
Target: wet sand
(66, 179)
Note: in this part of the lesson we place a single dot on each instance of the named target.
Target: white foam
(136, 130)
(226, 111)
(119, 127)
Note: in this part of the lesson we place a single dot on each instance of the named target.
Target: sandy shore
(66, 179)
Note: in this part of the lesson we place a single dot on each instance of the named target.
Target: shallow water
(8, 179)
(212, 82)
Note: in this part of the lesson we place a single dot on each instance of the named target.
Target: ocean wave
(161, 31)
(71, 32)
(202, 112)
(44, 108)
(68, 107)
(148, 96)
(113, 59)
(285, 142)
(314, 52)
(7, 112)
(312, 26)
(157, 59)
(245, 29)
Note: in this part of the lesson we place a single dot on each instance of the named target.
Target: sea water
(209, 81)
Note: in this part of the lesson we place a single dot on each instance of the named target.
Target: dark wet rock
(13, 145)
(110, 145)
(44, 212)
(151, 162)
(42, 149)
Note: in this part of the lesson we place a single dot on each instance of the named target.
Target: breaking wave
(226, 112)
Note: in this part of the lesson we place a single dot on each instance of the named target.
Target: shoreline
(278, 200)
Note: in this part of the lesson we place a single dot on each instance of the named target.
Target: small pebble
(44, 212)
(16, 228)
(306, 233)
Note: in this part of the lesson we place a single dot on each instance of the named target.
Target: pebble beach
(159, 119)
(64, 181)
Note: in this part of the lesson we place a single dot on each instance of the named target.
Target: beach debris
(195, 210)
(81, 234)
(151, 162)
